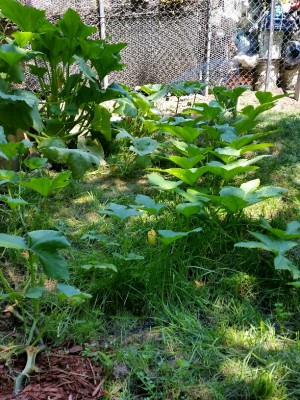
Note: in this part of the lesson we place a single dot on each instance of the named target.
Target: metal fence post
(102, 28)
(208, 47)
(269, 61)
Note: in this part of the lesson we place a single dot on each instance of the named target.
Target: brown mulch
(62, 375)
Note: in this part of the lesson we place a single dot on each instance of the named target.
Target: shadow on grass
(283, 169)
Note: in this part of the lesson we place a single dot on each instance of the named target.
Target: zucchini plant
(67, 66)
(210, 148)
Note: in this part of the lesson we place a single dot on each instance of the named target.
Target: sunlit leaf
(45, 186)
(161, 183)
(70, 291)
(12, 242)
(189, 176)
(168, 237)
(119, 211)
(144, 145)
(149, 205)
(186, 162)
(35, 162)
(189, 209)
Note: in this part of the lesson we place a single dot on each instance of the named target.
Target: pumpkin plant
(68, 67)
(209, 146)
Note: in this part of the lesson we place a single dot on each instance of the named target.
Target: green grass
(198, 319)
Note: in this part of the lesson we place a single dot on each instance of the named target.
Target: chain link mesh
(223, 42)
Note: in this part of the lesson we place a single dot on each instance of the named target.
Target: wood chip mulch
(63, 375)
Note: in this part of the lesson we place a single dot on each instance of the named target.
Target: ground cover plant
(170, 272)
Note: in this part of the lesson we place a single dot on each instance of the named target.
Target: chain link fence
(222, 42)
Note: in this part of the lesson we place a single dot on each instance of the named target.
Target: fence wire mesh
(223, 42)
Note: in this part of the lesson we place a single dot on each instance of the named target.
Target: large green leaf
(268, 97)
(187, 133)
(228, 133)
(46, 245)
(126, 107)
(45, 186)
(101, 121)
(234, 199)
(161, 183)
(192, 195)
(228, 171)
(277, 246)
(189, 176)
(239, 142)
(35, 162)
(230, 203)
(12, 149)
(190, 150)
(86, 69)
(28, 19)
(23, 105)
(71, 291)
(184, 88)
(8, 176)
(13, 203)
(292, 231)
(189, 209)
(105, 58)
(73, 28)
(78, 161)
(266, 242)
(169, 237)
(186, 162)
(12, 242)
(156, 91)
(208, 112)
(40, 185)
(119, 211)
(227, 154)
(281, 262)
(22, 38)
(149, 205)
(144, 145)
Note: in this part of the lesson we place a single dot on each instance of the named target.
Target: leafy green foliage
(119, 211)
(149, 205)
(234, 199)
(277, 242)
(46, 245)
(168, 237)
(45, 186)
(161, 183)
(12, 242)
(67, 104)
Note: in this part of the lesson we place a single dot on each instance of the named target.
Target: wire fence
(222, 42)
